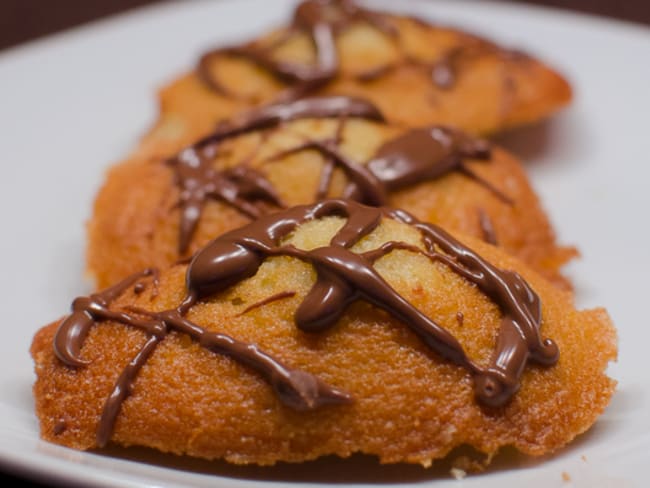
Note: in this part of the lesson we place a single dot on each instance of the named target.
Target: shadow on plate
(357, 469)
(365, 469)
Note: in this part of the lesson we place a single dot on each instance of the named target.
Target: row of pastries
(316, 251)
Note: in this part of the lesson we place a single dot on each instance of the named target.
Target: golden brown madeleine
(416, 72)
(154, 212)
(327, 329)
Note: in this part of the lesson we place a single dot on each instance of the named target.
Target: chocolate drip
(425, 154)
(199, 181)
(364, 186)
(296, 389)
(443, 71)
(413, 157)
(519, 337)
(489, 234)
(242, 187)
(322, 21)
(343, 277)
(273, 298)
(85, 312)
(430, 153)
(122, 389)
(272, 115)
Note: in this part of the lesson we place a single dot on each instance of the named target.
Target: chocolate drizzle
(444, 71)
(198, 181)
(487, 228)
(413, 157)
(427, 154)
(410, 158)
(343, 277)
(322, 21)
(519, 337)
(241, 186)
(273, 298)
(85, 312)
(296, 389)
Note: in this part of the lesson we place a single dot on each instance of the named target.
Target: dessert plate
(74, 103)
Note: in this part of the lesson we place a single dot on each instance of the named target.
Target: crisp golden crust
(493, 90)
(410, 406)
(135, 221)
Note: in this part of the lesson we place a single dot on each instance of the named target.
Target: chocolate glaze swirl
(322, 21)
(417, 155)
(343, 277)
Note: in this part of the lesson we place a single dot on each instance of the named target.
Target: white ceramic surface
(73, 103)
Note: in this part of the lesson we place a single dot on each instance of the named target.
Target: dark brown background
(22, 20)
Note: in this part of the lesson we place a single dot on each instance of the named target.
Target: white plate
(72, 104)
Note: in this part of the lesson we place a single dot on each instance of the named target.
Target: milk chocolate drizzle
(242, 186)
(487, 228)
(273, 298)
(322, 21)
(415, 156)
(198, 180)
(85, 312)
(296, 389)
(410, 158)
(343, 277)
